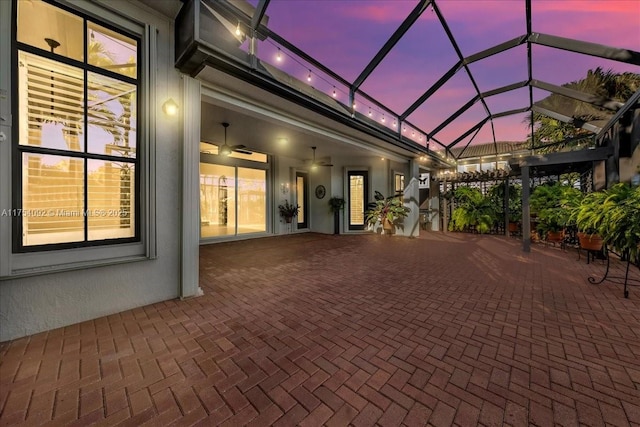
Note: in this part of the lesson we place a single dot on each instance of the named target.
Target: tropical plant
(554, 205)
(615, 215)
(336, 204)
(386, 210)
(472, 210)
(287, 210)
(554, 135)
(496, 194)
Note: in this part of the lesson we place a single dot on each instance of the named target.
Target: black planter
(336, 222)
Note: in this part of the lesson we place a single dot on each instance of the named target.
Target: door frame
(305, 199)
(355, 172)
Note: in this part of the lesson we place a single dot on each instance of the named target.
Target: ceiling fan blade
(241, 151)
(237, 147)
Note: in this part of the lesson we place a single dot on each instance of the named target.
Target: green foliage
(606, 84)
(336, 204)
(496, 195)
(389, 209)
(615, 215)
(473, 210)
(554, 204)
(287, 210)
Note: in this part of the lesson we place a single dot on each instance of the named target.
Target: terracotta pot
(388, 227)
(514, 227)
(555, 236)
(590, 242)
(288, 219)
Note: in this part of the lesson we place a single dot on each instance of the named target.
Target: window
(358, 196)
(302, 198)
(398, 183)
(76, 164)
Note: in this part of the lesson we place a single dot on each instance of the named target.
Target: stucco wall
(32, 304)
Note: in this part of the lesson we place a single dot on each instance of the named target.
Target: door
(302, 197)
(357, 196)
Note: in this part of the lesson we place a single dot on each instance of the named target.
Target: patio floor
(315, 329)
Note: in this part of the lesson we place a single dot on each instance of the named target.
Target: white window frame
(32, 263)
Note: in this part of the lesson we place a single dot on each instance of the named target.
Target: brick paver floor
(349, 330)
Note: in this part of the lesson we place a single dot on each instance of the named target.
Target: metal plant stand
(617, 279)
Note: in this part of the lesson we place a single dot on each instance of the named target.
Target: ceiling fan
(315, 164)
(226, 149)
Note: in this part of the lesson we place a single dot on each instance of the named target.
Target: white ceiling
(263, 121)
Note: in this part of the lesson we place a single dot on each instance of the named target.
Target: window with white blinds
(77, 95)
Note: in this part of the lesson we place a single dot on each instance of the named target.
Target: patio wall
(46, 301)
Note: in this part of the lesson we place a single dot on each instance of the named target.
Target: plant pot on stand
(592, 243)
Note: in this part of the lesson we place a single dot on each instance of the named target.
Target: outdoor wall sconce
(170, 107)
(284, 188)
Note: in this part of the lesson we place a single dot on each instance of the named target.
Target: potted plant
(473, 211)
(389, 212)
(613, 214)
(336, 204)
(589, 216)
(288, 211)
(554, 204)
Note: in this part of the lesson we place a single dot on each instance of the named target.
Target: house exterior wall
(38, 302)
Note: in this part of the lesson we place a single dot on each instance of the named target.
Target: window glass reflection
(217, 200)
(49, 28)
(112, 114)
(111, 51)
(252, 200)
(52, 199)
(111, 200)
(51, 98)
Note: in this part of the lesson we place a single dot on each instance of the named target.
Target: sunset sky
(345, 35)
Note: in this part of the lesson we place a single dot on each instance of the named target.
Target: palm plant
(603, 83)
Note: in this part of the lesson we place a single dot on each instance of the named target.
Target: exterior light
(279, 56)
(170, 107)
(370, 112)
(238, 31)
(395, 124)
(334, 92)
(382, 120)
(309, 76)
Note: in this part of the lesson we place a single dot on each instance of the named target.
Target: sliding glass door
(233, 200)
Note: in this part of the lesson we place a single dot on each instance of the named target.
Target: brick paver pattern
(359, 330)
